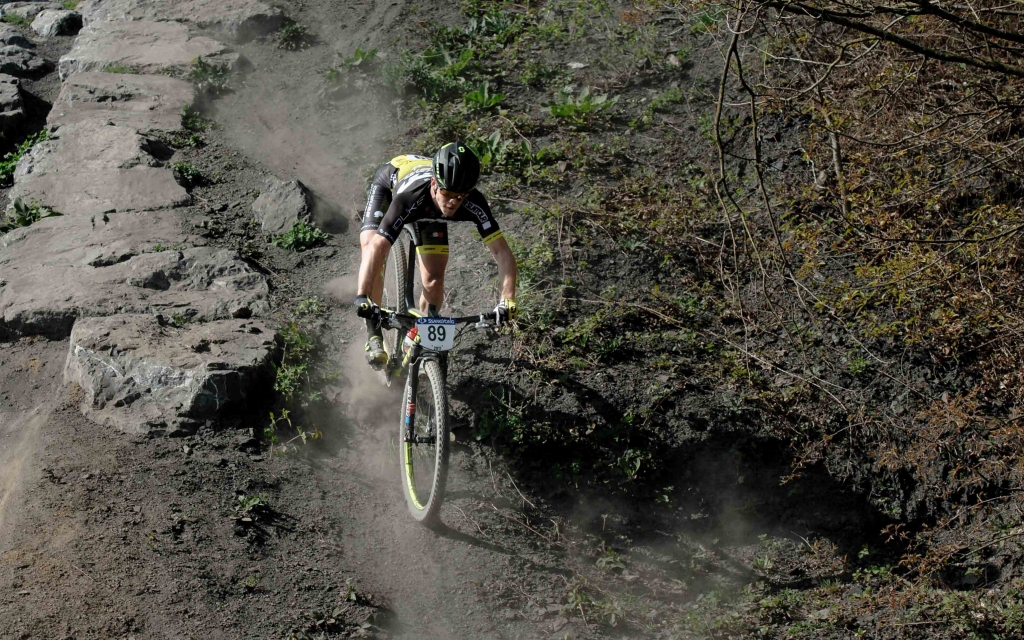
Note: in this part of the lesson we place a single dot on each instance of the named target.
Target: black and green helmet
(456, 167)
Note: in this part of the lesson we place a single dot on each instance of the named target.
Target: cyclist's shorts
(433, 238)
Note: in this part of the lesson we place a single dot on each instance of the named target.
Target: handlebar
(391, 319)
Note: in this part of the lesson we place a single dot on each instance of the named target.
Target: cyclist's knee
(433, 281)
(365, 237)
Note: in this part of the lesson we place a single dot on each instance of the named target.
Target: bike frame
(417, 355)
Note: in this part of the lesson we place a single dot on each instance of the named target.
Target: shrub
(209, 78)
(482, 99)
(579, 108)
(361, 57)
(433, 74)
(188, 176)
(302, 236)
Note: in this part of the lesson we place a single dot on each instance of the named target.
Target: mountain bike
(417, 346)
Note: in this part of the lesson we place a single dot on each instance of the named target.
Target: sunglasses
(451, 195)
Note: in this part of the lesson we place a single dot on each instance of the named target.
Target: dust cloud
(18, 439)
(279, 116)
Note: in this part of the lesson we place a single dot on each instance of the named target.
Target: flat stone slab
(91, 167)
(57, 22)
(144, 103)
(143, 376)
(12, 113)
(42, 292)
(100, 241)
(240, 20)
(145, 47)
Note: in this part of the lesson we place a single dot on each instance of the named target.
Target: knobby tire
(426, 508)
(395, 278)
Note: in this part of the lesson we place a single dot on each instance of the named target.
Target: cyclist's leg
(377, 202)
(433, 258)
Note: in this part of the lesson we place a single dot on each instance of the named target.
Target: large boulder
(21, 62)
(144, 375)
(281, 204)
(239, 20)
(27, 10)
(144, 47)
(144, 103)
(12, 113)
(91, 167)
(58, 22)
(10, 36)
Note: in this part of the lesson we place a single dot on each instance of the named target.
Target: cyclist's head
(456, 167)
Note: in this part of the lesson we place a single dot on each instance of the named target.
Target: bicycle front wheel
(393, 297)
(425, 460)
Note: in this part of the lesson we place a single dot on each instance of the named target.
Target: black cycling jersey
(407, 179)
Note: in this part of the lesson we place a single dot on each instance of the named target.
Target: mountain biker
(439, 188)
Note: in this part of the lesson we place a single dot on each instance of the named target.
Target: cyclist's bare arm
(507, 272)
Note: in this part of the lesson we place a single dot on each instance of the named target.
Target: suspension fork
(410, 272)
(412, 389)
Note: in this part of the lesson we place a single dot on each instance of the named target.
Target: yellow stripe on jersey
(497, 235)
(432, 249)
(408, 163)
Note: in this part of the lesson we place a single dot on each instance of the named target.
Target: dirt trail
(27, 407)
(438, 584)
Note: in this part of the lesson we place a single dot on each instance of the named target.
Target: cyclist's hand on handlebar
(366, 308)
(505, 311)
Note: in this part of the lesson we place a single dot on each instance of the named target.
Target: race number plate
(436, 334)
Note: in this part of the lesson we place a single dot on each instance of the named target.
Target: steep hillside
(766, 381)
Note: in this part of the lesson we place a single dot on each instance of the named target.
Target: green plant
(311, 307)
(192, 121)
(10, 160)
(16, 20)
(250, 583)
(69, 5)
(536, 73)
(481, 98)
(611, 561)
(498, 25)
(209, 78)
(293, 37)
(361, 57)
(23, 215)
(433, 74)
(578, 108)
(188, 176)
(250, 509)
(491, 150)
(302, 236)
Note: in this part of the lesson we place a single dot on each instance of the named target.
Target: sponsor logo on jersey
(481, 215)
